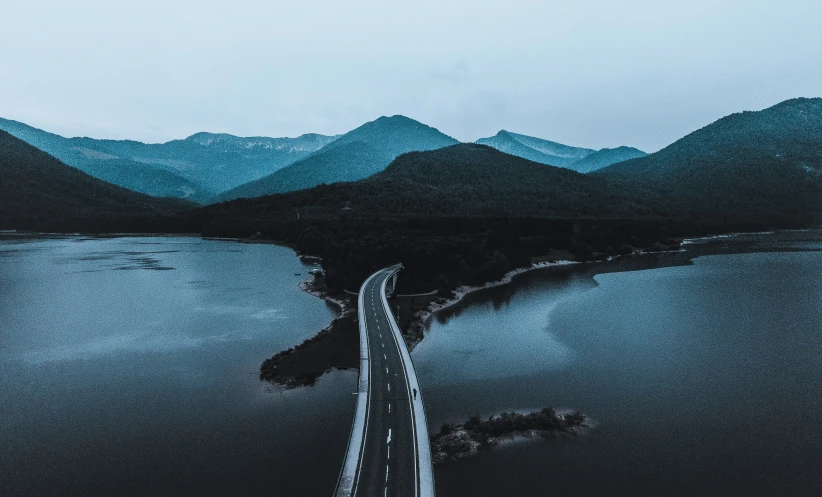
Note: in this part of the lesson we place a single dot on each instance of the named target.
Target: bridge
(388, 450)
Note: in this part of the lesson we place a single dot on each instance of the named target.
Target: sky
(584, 73)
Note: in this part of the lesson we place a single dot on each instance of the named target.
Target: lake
(130, 367)
(700, 377)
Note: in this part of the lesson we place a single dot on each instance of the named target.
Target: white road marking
(386, 370)
(389, 386)
(389, 407)
(389, 437)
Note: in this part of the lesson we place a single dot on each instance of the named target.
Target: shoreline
(457, 441)
(424, 316)
(421, 318)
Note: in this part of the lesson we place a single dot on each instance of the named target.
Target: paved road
(392, 459)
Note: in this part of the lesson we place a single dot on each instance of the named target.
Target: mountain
(196, 168)
(536, 149)
(605, 157)
(461, 180)
(38, 192)
(763, 166)
(96, 159)
(357, 154)
(581, 160)
(221, 161)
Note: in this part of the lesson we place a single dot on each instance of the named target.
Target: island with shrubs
(457, 441)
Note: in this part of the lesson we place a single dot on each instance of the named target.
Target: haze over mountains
(209, 167)
(762, 168)
(38, 192)
(755, 168)
(355, 155)
(557, 154)
(460, 180)
(196, 168)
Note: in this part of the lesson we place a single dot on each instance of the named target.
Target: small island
(457, 441)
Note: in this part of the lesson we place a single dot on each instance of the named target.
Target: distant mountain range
(459, 180)
(605, 157)
(38, 192)
(582, 160)
(355, 155)
(196, 168)
(763, 166)
(209, 167)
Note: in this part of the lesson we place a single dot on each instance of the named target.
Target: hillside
(357, 154)
(460, 180)
(764, 165)
(38, 192)
(196, 168)
(466, 213)
(605, 157)
(535, 149)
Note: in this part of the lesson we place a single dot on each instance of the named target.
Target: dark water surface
(701, 378)
(130, 366)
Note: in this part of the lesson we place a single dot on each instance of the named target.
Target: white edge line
(421, 443)
(349, 473)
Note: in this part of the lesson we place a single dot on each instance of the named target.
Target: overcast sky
(586, 73)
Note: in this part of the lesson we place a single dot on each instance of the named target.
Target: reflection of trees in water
(559, 277)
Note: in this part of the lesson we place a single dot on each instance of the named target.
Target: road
(389, 453)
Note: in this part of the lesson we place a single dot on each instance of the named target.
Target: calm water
(701, 378)
(129, 367)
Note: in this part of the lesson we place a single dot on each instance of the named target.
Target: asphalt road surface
(389, 464)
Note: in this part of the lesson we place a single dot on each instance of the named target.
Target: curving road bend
(389, 452)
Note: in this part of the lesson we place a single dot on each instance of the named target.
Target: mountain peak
(205, 138)
(396, 121)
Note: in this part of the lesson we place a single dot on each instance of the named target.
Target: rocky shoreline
(458, 441)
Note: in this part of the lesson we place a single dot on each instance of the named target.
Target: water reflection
(702, 369)
(130, 367)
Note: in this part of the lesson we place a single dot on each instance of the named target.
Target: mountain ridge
(583, 160)
(363, 151)
(765, 163)
(181, 168)
(458, 180)
(39, 192)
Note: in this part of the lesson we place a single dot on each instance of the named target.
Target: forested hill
(460, 180)
(764, 165)
(38, 192)
(357, 154)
